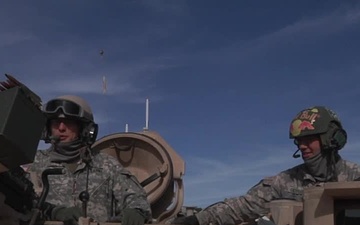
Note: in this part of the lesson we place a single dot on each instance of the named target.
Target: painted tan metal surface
(323, 205)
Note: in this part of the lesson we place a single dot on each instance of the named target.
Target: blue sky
(224, 78)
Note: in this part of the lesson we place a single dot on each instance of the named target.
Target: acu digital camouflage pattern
(288, 184)
(108, 181)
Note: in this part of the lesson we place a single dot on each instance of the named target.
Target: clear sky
(224, 78)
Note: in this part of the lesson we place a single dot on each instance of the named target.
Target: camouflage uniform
(288, 184)
(110, 186)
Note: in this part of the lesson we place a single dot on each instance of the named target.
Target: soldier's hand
(68, 215)
(186, 220)
(132, 217)
(263, 221)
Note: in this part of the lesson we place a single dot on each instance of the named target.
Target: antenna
(126, 128)
(104, 84)
(147, 115)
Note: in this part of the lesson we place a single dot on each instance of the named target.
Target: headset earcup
(339, 139)
(335, 138)
(89, 133)
(94, 133)
(45, 134)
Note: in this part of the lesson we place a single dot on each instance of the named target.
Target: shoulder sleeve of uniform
(348, 171)
(40, 160)
(268, 181)
(126, 188)
(107, 162)
(244, 208)
(114, 164)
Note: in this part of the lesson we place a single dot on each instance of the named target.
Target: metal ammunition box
(21, 126)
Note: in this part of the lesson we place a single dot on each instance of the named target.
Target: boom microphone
(54, 139)
(296, 154)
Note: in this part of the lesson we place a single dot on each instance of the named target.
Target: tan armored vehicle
(336, 203)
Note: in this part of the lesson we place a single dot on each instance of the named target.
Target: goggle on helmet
(69, 107)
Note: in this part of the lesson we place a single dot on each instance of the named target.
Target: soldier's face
(67, 130)
(309, 146)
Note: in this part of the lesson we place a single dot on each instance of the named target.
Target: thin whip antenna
(147, 115)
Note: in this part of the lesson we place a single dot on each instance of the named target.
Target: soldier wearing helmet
(319, 135)
(94, 184)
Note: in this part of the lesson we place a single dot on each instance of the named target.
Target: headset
(89, 133)
(335, 138)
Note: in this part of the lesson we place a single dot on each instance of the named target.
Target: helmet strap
(332, 157)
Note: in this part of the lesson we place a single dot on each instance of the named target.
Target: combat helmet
(319, 120)
(72, 107)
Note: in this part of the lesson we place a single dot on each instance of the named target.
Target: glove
(132, 217)
(262, 221)
(186, 220)
(68, 215)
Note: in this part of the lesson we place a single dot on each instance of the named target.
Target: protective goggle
(68, 108)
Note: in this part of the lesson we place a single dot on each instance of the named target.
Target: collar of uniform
(74, 167)
(80, 165)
